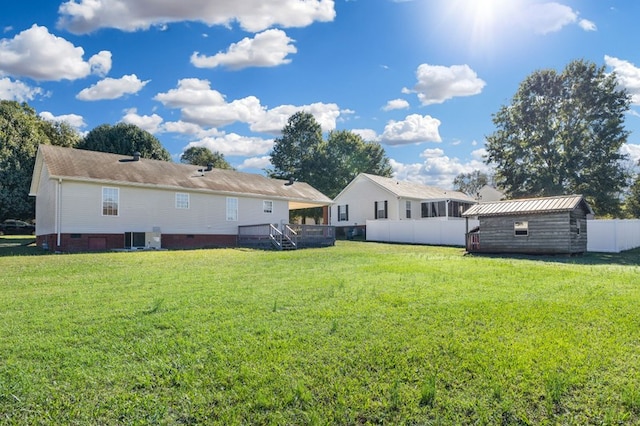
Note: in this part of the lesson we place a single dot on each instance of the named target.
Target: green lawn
(360, 333)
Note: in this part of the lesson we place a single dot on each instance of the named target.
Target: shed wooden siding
(550, 233)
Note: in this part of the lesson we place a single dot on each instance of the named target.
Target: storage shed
(549, 225)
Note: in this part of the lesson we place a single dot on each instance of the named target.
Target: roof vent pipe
(136, 156)
(290, 182)
(209, 167)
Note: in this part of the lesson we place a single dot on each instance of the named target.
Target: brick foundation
(105, 242)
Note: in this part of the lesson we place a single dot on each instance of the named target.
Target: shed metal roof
(528, 206)
(82, 165)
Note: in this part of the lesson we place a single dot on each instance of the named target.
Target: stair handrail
(291, 235)
(275, 235)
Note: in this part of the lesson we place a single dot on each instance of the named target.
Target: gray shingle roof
(417, 190)
(528, 206)
(81, 165)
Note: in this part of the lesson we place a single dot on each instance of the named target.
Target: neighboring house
(88, 200)
(371, 197)
(489, 193)
(550, 225)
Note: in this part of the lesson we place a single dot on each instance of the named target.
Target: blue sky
(422, 77)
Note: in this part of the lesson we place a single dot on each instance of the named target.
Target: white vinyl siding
(110, 201)
(182, 200)
(141, 209)
(232, 209)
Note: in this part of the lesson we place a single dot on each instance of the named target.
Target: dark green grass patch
(359, 333)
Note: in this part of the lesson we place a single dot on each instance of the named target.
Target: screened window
(408, 209)
(232, 209)
(267, 206)
(521, 228)
(182, 200)
(434, 209)
(343, 213)
(110, 201)
(456, 208)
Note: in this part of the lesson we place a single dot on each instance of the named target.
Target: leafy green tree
(21, 131)
(470, 183)
(302, 154)
(632, 203)
(345, 155)
(562, 134)
(297, 153)
(125, 139)
(202, 156)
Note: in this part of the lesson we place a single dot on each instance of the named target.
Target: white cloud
(628, 76)
(101, 63)
(84, 16)
(413, 129)
(550, 17)
(201, 105)
(40, 55)
(633, 151)
(112, 88)
(150, 123)
(74, 120)
(274, 120)
(17, 90)
(256, 163)
(587, 25)
(437, 169)
(437, 83)
(368, 135)
(234, 144)
(268, 49)
(396, 104)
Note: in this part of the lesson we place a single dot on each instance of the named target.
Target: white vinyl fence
(427, 231)
(613, 235)
(609, 236)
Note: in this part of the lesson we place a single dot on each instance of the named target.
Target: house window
(232, 209)
(182, 200)
(343, 213)
(521, 228)
(408, 209)
(110, 201)
(267, 206)
(434, 209)
(456, 208)
(380, 208)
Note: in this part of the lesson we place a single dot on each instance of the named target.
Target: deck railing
(288, 236)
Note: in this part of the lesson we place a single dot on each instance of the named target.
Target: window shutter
(386, 215)
(346, 211)
(339, 217)
(375, 208)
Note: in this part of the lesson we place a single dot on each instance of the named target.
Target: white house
(371, 197)
(88, 200)
(489, 193)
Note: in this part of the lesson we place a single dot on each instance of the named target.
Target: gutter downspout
(58, 211)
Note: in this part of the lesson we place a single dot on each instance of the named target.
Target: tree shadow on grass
(625, 258)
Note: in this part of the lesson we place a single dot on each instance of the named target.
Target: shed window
(182, 200)
(408, 209)
(110, 201)
(232, 209)
(521, 228)
(267, 206)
